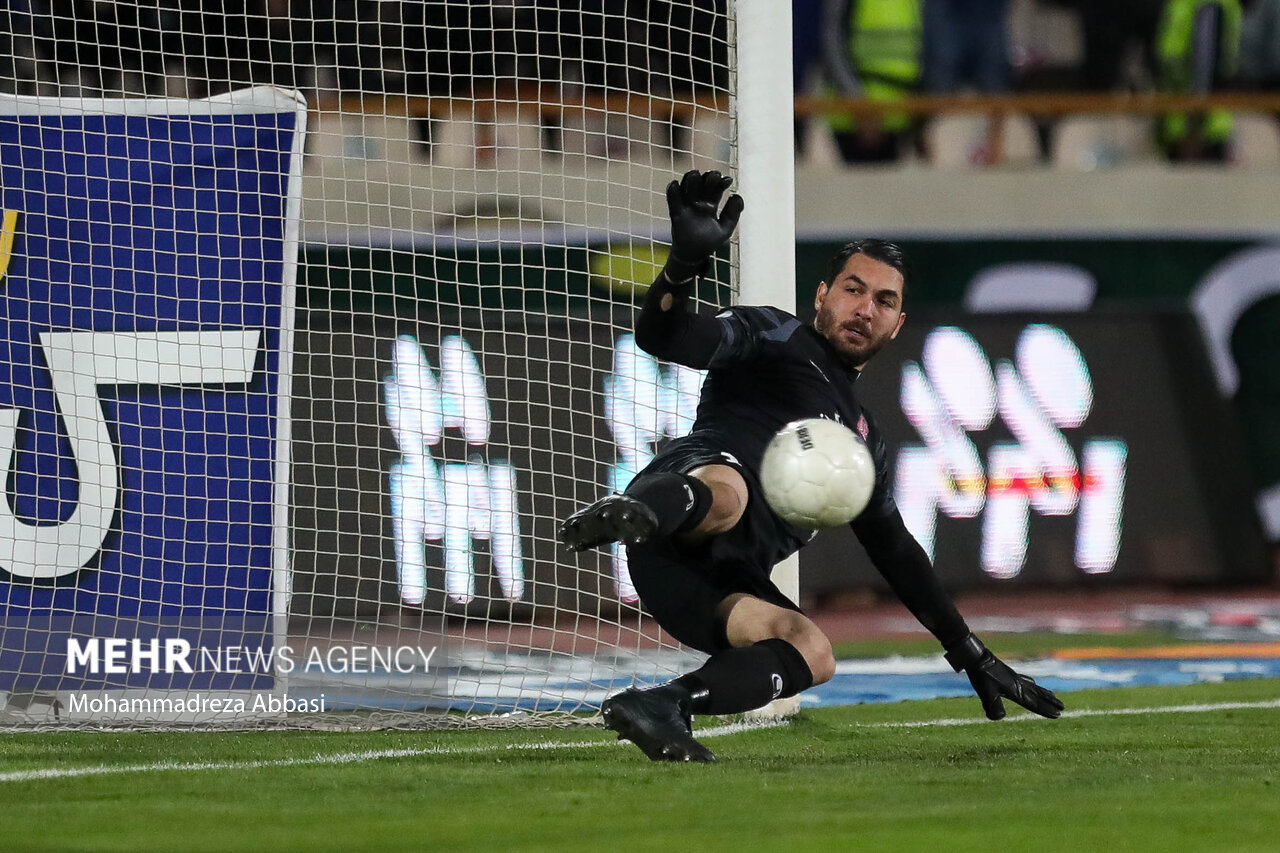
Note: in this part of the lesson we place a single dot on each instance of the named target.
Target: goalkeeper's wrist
(965, 653)
(678, 271)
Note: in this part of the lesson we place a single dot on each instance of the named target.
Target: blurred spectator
(1260, 45)
(664, 48)
(1198, 44)
(688, 58)
(806, 54)
(965, 46)
(94, 44)
(359, 44)
(442, 39)
(872, 49)
(224, 29)
(16, 68)
(1112, 30)
(690, 44)
(281, 43)
(966, 49)
(652, 47)
(459, 47)
(179, 48)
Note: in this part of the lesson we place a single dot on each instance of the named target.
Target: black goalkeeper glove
(992, 679)
(696, 231)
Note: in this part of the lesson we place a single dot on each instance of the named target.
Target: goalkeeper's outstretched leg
(613, 518)
(658, 721)
(701, 556)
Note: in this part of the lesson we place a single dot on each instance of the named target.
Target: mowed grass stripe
(345, 757)
(718, 731)
(1197, 708)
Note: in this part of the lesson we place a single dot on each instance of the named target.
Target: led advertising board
(434, 459)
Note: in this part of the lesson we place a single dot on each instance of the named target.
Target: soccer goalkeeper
(700, 539)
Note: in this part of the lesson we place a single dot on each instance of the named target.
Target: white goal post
(317, 330)
(766, 173)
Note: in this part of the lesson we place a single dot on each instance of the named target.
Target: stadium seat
(596, 136)
(517, 138)
(1255, 141)
(1030, 287)
(820, 148)
(1269, 511)
(1099, 142)
(453, 140)
(709, 134)
(392, 139)
(327, 133)
(957, 141)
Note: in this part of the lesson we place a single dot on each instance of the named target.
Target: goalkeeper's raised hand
(697, 231)
(992, 680)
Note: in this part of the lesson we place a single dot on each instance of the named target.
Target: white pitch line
(717, 731)
(343, 757)
(714, 731)
(1085, 712)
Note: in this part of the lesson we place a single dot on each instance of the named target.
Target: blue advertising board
(146, 292)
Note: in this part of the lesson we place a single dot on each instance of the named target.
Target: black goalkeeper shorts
(682, 587)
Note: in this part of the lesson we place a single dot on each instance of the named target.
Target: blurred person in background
(1111, 32)
(873, 49)
(1198, 44)
(361, 44)
(1260, 45)
(282, 42)
(965, 46)
(175, 48)
(966, 49)
(806, 55)
(92, 43)
(17, 69)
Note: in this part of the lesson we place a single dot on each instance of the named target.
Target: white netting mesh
(345, 492)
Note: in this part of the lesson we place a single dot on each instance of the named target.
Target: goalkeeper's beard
(854, 356)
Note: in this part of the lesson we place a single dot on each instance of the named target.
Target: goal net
(317, 323)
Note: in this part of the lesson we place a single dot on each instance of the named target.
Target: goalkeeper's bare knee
(818, 654)
(749, 620)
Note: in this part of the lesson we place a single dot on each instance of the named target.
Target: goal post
(766, 245)
(429, 276)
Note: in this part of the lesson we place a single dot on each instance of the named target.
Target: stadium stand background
(1092, 191)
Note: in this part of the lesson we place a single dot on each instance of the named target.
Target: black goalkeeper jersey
(770, 369)
(765, 369)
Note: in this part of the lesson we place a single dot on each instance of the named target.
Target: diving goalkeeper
(701, 541)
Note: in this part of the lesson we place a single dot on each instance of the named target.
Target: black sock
(679, 501)
(746, 678)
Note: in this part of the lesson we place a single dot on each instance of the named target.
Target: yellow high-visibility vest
(1173, 46)
(885, 46)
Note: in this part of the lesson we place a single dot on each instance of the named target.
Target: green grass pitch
(831, 779)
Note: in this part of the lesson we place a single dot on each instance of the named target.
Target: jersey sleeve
(744, 330)
(699, 341)
(675, 334)
(899, 558)
(903, 563)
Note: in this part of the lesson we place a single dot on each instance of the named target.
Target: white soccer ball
(817, 473)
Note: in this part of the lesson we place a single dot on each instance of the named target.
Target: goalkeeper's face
(861, 310)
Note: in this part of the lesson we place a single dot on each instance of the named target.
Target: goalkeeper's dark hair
(887, 253)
